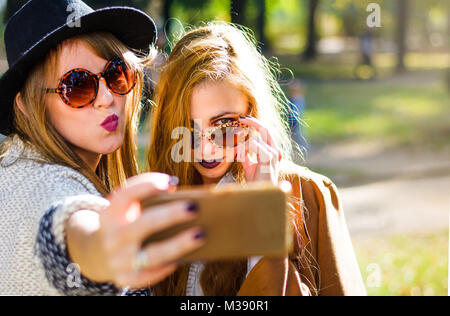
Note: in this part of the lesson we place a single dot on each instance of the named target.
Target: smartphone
(239, 221)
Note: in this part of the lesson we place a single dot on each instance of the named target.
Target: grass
(399, 114)
(405, 265)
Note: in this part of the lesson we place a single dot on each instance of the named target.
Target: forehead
(210, 99)
(78, 54)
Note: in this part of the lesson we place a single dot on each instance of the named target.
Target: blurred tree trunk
(12, 6)
(402, 20)
(448, 32)
(312, 38)
(237, 11)
(166, 15)
(261, 24)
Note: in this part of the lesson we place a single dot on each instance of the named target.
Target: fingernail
(174, 181)
(192, 207)
(199, 235)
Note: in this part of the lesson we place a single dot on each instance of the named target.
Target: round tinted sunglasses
(228, 135)
(79, 87)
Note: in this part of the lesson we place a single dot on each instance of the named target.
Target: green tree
(237, 11)
(195, 8)
(261, 24)
(252, 14)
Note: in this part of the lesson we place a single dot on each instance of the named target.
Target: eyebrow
(223, 114)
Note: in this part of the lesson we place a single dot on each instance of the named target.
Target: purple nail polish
(192, 207)
(174, 181)
(200, 235)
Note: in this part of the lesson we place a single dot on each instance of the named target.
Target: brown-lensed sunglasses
(227, 135)
(78, 88)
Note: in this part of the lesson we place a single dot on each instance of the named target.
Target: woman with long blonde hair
(70, 221)
(216, 85)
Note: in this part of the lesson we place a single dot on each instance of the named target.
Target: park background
(383, 138)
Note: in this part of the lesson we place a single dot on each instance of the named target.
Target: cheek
(81, 127)
(62, 118)
(71, 125)
(75, 125)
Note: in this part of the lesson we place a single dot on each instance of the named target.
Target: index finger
(255, 123)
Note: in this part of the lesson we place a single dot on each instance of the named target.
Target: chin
(109, 146)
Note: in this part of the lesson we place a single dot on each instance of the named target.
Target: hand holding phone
(238, 221)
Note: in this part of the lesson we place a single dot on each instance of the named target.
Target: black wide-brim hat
(41, 25)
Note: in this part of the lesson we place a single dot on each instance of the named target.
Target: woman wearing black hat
(69, 104)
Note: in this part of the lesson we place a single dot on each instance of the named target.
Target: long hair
(216, 52)
(35, 127)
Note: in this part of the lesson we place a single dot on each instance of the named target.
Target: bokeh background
(376, 112)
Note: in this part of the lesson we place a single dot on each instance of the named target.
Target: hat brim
(131, 26)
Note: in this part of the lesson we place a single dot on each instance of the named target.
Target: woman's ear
(19, 104)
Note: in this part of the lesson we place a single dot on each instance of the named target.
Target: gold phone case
(238, 221)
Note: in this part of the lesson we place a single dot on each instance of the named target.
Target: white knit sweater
(35, 194)
(28, 188)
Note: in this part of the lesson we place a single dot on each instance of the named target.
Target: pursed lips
(111, 123)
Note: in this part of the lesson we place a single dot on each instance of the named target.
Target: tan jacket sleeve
(327, 264)
(274, 277)
(329, 240)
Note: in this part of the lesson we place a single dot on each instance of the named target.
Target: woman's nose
(105, 97)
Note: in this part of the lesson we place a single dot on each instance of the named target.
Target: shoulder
(22, 164)
(47, 176)
(30, 188)
(57, 175)
(293, 170)
(314, 188)
(329, 245)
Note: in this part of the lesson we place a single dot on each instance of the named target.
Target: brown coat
(328, 264)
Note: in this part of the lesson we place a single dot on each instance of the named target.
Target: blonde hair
(35, 127)
(215, 52)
